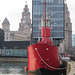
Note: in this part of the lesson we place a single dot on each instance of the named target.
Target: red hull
(43, 55)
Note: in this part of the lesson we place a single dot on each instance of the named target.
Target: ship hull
(44, 71)
(43, 57)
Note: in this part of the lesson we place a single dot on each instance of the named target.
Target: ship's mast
(45, 30)
(45, 18)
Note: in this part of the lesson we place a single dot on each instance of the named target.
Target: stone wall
(9, 59)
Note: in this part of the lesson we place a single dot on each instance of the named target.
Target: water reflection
(12, 68)
(7, 68)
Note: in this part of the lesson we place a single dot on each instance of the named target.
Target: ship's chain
(49, 65)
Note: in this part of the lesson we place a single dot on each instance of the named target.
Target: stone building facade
(68, 30)
(66, 44)
(24, 31)
(6, 28)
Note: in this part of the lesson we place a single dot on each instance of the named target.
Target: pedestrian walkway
(73, 68)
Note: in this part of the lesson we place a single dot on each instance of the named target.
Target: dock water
(20, 63)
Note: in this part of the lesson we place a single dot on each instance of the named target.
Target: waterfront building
(66, 44)
(54, 9)
(6, 28)
(14, 43)
(25, 21)
(1, 38)
(68, 30)
(14, 48)
(24, 31)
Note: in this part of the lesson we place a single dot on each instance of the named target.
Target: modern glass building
(14, 49)
(14, 52)
(54, 9)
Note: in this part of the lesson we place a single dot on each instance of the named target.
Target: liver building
(24, 31)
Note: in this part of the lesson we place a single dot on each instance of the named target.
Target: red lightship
(44, 56)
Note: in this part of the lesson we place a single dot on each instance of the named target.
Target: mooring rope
(49, 65)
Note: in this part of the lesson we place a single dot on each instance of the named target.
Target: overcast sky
(12, 9)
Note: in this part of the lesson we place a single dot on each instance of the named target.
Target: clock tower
(25, 24)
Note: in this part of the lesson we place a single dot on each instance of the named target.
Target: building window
(56, 12)
(7, 38)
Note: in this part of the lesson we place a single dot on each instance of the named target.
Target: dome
(6, 21)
